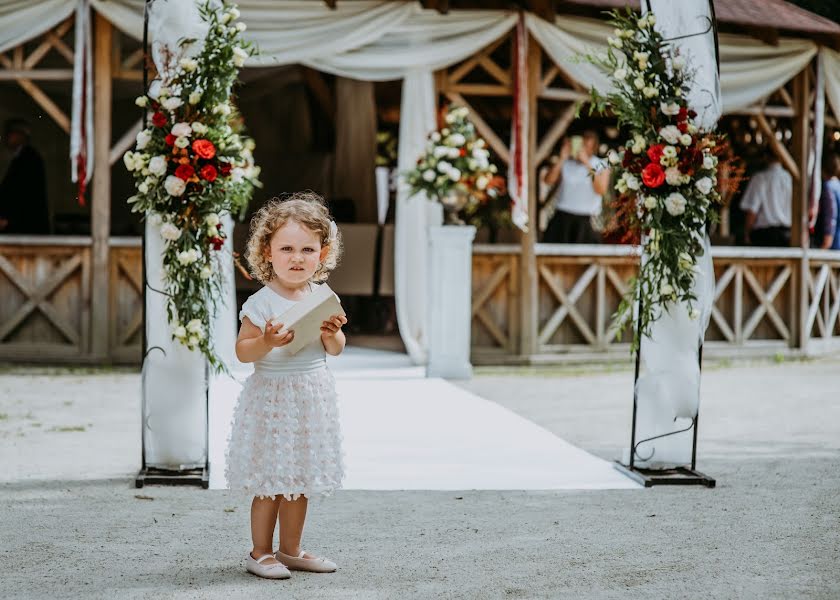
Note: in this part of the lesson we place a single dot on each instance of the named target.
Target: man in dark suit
(23, 191)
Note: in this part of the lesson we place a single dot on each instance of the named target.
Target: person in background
(23, 191)
(827, 226)
(766, 204)
(583, 180)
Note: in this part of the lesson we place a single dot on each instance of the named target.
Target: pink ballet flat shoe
(299, 563)
(270, 571)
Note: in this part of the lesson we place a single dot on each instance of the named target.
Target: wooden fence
(758, 307)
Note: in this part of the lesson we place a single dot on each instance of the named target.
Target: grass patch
(69, 428)
(4, 416)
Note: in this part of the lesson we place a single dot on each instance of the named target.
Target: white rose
(613, 157)
(650, 202)
(212, 232)
(429, 175)
(143, 138)
(195, 98)
(669, 152)
(444, 166)
(129, 160)
(240, 27)
(435, 137)
(237, 174)
(212, 219)
(678, 63)
(188, 64)
(454, 153)
(171, 104)
(671, 109)
(185, 257)
(239, 56)
(454, 174)
(181, 129)
(704, 184)
(170, 232)
(631, 181)
(141, 101)
(222, 109)
(673, 176)
(694, 314)
(666, 289)
(685, 139)
(651, 19)
(709, 162)
(193, 341)
(143, 188)
(206, 272)
(650, 92)
(620, 74)
(225, 18)
(195, 326)
(182, 142)
(670, 134)
(639, 83)
(481, 182)
(638, 144)
(440, 151)
(157, 166)
(174, 186)
(457, 139)
(675, 204)
(180, 331)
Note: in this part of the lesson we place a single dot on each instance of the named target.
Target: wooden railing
(757, 305)
(45, 299)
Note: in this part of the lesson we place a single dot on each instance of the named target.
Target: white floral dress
(286, 437)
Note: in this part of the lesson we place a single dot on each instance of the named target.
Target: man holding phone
(583, 179)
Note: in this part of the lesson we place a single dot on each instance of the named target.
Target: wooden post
(530, 287)
(799, 206)
(101, 202)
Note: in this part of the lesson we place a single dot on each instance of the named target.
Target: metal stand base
(154, 476)
(675, 476)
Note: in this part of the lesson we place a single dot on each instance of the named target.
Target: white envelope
(306, 316)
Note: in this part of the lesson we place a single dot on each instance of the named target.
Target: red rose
(158, 119)
(225, 168)
(655, 153)
(204, 148)
(184, 172)
(683, 126)
(463, 152)
(653, 176)
(170, 139)
(208, 172)
(682, 115)
(217, 243)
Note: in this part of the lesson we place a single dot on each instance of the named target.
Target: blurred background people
(827, 225)
(579, 179)
(766, 204)
(23, 190)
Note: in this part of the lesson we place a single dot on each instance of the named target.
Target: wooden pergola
(79, 298)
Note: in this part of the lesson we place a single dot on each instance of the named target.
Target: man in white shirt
(766, 203)
(583, 181)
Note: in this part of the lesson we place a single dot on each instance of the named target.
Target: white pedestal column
(449, 301)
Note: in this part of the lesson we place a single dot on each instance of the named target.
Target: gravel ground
(73, 526)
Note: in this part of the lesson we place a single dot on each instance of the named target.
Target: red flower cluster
(653, 176)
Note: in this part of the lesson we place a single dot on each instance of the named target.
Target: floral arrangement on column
(666, 172)
(192, 165)
(456, 171)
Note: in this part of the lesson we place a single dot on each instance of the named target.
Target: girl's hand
(331, 327)
(274, 336)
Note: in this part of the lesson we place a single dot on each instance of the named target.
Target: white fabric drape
(831, 74)
(749, 69)
(417, 120)
(668, 388)
(22, 20)
(81, 125)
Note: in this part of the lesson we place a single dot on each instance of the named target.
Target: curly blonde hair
(306, 208)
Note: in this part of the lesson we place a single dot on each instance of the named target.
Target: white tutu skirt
(286, 437)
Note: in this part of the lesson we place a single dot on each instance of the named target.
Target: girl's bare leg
(292, 514)
(263, 517)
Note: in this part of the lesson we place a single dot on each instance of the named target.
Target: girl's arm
(253, 343)
(331, 335)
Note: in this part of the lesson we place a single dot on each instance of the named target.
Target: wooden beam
(767, 111)
(125, 142)
(468, 65)
(101, 202)
(480, 89)
(778, 148)
(562, 95)
(52, 39)
(48, 105)
(542, 8)
(799, 238)
(37, 75)
(483, 128)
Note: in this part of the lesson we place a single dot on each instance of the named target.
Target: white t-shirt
(576, 194)
(769, 195)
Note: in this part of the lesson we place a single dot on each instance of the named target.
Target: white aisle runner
(404, 432)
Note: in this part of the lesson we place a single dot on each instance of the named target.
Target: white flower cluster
(191, 334)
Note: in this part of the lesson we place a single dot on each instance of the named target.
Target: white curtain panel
(125, 15)
(749, 70)
(22, 20)
(831, 75)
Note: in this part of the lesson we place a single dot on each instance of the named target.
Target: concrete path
(72, 525)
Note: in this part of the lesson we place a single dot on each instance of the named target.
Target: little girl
(285, 444)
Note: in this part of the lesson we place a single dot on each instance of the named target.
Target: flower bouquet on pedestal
(456, 171)
(193, 164)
